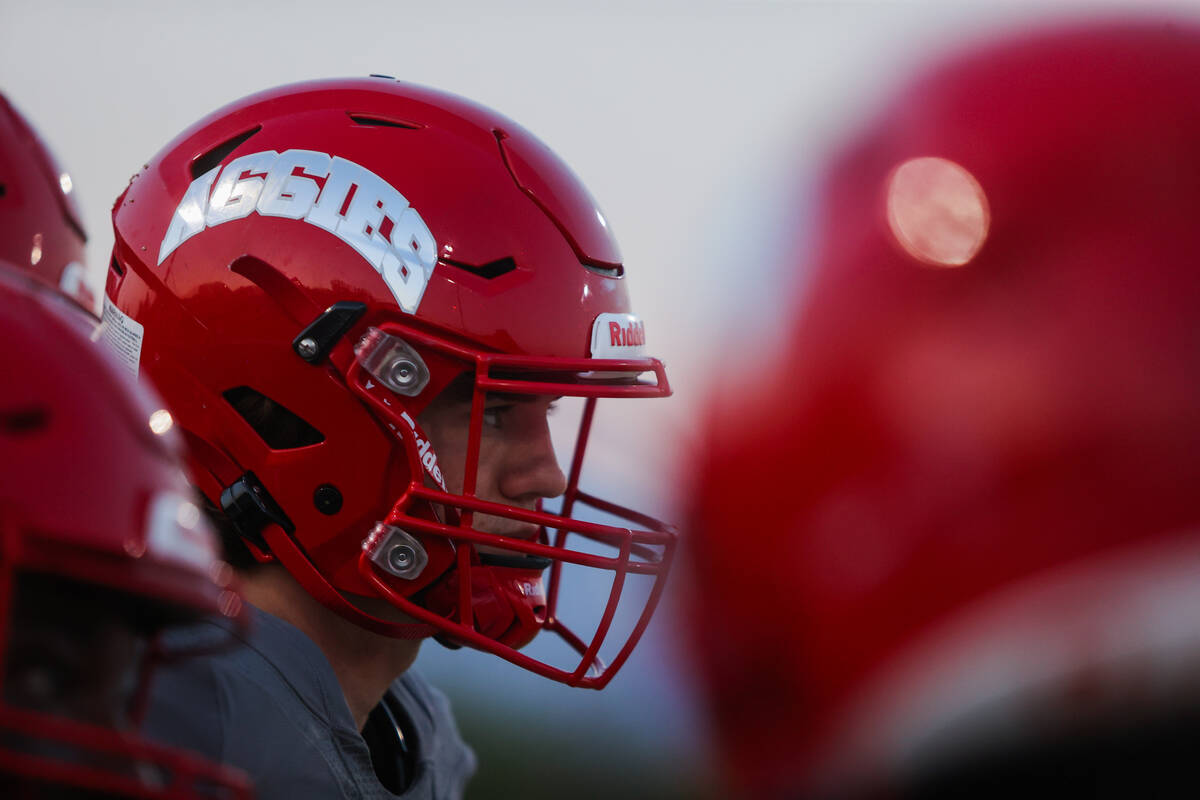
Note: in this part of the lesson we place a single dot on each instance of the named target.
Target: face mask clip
(396, 552)
(392, 362)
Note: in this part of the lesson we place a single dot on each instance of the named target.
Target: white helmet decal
(344, 198)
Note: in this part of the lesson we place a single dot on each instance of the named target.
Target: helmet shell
(41, 228)
(941, 434)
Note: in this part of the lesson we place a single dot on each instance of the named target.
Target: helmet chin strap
(516, 561)
(285, 550)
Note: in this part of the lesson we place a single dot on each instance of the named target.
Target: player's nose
(533, 470)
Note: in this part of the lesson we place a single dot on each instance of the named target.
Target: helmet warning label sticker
(618, 336)
(123, 336)
(330, 192)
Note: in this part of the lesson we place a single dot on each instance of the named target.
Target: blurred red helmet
(41, 229)
(98, 533)
(966, 509)
(338, 252)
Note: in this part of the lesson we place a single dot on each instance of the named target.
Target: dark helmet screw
(327, 499)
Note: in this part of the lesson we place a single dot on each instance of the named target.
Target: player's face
(517, 464)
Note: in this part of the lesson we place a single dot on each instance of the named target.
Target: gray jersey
(274, 709)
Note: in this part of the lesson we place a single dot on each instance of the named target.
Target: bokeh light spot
(188, 516)
(937, 211)
(161, 422)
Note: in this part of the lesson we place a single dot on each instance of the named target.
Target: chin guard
(508, 604)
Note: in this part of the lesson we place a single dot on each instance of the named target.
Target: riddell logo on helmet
(618, 336)
(425, 452)
(631, 335)
(340, 196)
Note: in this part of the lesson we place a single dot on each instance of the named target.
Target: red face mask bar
(112, 763)
(645, 548)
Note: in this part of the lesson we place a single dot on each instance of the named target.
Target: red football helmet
(339, 252)
(100, 548)
(41, 229)
(972, 491)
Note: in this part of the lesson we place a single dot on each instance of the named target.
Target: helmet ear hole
(278, 427)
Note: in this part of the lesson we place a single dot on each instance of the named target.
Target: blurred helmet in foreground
(101, 547)
(41, 229)
(965, 511)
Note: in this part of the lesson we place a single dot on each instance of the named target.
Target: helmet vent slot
(23, 421)
(116, 267)
(279, 428)
(615, 271)
(203, 163)
(380, 122)
(492, 269)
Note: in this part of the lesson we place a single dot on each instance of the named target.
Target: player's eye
(493, 416)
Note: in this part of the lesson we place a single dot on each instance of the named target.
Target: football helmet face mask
(100, 549)
(340, 252)
(41, 229)
(984, 423)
